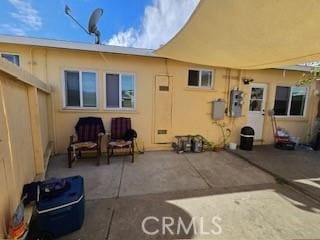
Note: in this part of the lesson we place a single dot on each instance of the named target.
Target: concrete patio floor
(300, 168)
(247, 202)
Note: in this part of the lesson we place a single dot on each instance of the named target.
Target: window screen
(11, 58)
(112, 90)
(127, 90)
(72, 89)
(89, 89)
(193, 79)
(298, 100)
(281, 102)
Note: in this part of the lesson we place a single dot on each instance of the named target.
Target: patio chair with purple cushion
(89, 132)
(121, 138)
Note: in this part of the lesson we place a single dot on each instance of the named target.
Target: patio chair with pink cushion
(89, 132)
(121, 138)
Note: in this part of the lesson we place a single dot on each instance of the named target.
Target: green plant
(309, 77)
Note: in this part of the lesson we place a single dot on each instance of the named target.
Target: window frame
(120, 108)
(200, 70)
(12, 53)
(290, 100)
(80, 71)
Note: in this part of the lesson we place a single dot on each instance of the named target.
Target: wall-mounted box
(236, 102)
(218, 109)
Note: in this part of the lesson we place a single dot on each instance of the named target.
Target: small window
(13, 58)
(120, 91)
(194, 78)
(256, 99)
(80, 89)
(200, 78)
(290, 101)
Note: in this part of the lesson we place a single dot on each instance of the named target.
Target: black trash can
(317, 142)
(246, 138)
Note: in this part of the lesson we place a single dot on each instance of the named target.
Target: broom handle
(274, 126)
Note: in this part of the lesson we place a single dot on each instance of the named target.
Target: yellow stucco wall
(191, 108)
(297, 126)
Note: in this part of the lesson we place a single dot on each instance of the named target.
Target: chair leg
(132, 152)
(98, 156)
(69, 157)
(108, 155)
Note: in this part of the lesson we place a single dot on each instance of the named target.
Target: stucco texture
(191, 108)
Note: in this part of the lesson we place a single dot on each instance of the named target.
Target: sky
(131, 23)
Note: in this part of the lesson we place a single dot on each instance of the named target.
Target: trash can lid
(245, 135)
(247, 130)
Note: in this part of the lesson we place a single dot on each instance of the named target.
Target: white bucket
(233, 146)
(296, 140)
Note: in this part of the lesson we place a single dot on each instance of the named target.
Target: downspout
(228, 79)
(240, 77)
(313, 111)
(171, 79)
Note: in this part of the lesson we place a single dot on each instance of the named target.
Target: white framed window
(80, 89)
(120, 91)
(13, 58)
(290, 101)
(200, 78)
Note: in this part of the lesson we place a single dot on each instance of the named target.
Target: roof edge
(62, 44)
(42, 42)
(300, 68)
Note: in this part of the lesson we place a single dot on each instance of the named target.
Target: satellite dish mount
(92, 26)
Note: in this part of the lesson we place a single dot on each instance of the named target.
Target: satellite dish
(92, 26)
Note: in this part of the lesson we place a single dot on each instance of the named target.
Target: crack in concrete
(121, 177)
(197, 171)
(110, 224)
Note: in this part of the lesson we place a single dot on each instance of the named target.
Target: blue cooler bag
(62, 213)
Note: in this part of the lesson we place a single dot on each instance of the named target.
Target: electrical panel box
(218, 109)
(236, 103)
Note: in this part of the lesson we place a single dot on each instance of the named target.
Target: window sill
(71, 109)
(200, 89)
(119, 110)
(96, 110)
(291, 118)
